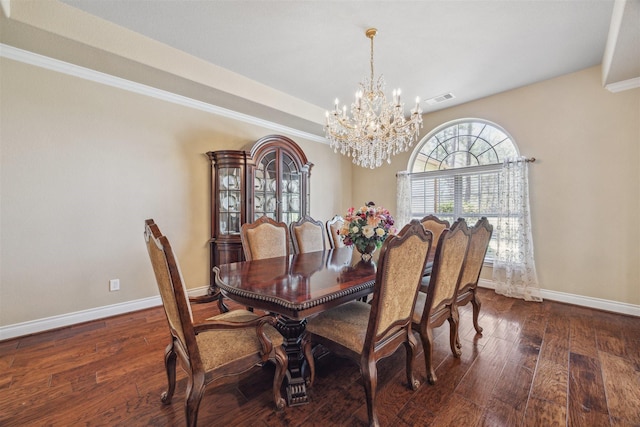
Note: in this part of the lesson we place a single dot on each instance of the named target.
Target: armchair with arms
(216, 350)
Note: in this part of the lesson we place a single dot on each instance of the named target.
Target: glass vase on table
(366, 249)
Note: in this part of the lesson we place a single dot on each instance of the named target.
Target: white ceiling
(316, 50)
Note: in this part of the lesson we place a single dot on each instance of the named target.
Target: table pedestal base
(293, 332)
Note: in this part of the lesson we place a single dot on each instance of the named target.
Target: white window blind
(456, 172)
(470, 193)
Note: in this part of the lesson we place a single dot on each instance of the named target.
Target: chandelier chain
(371, 61)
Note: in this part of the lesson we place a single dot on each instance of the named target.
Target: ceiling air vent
(440, 98)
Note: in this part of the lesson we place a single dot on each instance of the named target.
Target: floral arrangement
(366, 228)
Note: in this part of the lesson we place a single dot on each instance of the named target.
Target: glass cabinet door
(230, 200)
(277, 188)
(291, 187)
(265, 188)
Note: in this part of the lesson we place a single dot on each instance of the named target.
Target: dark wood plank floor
(536, 364)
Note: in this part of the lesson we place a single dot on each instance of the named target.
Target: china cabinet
(270, 178)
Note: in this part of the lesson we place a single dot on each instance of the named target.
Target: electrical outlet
(114, 285)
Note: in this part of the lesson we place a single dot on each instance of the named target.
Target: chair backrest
(480, 237)
(333, 231)
(400, 265)
(450, 256)
(436, 226)
(307, 235)
(264, 238)
(171, 286)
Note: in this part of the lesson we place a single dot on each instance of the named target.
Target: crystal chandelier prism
(377, 129)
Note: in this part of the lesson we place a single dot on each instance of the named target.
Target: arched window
(462, 143)
(455, 171)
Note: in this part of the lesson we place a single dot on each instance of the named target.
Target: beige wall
(584, 186)
(83, 165)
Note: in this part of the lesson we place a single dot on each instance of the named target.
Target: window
(455, 172)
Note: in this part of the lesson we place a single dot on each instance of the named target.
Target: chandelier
(377, 129)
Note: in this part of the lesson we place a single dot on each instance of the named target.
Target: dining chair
(333, 231)
(307, 235)
(480, 236)
(215, 350)
(438, 303)
(264, 238)
(436, 226)
(368, 332)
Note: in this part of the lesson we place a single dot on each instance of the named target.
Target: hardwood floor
(536, 364)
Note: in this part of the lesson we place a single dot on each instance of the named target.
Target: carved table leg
(293, 330)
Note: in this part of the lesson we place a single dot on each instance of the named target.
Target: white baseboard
(54, 322)
(597, 303)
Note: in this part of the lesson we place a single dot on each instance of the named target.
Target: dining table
(293, 288)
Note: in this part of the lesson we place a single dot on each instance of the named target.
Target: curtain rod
(528, 160)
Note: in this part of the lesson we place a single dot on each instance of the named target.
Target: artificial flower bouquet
(367, 228)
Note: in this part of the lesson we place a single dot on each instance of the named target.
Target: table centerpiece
(367, 228)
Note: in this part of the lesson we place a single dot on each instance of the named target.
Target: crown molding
(623, 85)
(6, 7)
(67, 68)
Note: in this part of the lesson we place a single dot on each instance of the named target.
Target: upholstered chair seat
(421, 300)
(352, 334)
(218, 347)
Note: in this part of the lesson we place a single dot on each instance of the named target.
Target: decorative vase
(366, 249)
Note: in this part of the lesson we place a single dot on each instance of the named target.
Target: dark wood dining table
(293, 288)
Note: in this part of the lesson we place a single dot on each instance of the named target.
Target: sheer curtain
(514, 269)
(403, 199)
